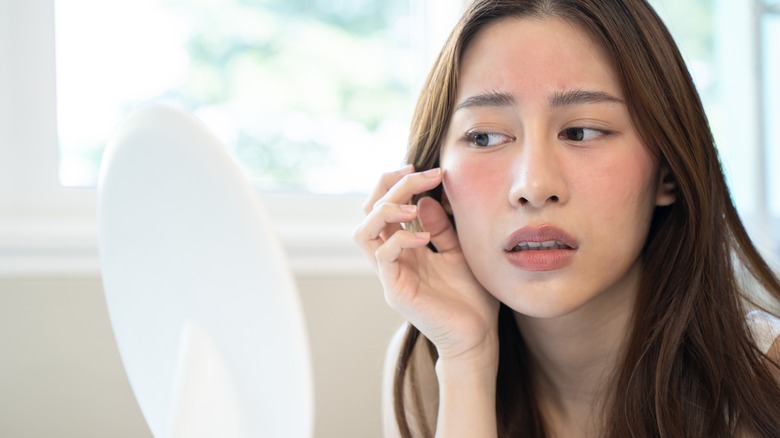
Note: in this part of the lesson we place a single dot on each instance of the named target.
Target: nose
(538, 178)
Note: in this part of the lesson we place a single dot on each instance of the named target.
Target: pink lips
(540, 248)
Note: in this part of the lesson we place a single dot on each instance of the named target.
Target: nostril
(523, 201)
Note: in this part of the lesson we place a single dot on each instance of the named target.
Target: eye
(487, 139)
(581, 134)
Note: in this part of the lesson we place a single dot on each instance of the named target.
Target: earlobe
(666, 194)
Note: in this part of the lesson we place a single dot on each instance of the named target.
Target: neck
(575, 355)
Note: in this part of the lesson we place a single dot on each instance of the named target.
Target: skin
(557, 149)
(601, 190)
(577, 165)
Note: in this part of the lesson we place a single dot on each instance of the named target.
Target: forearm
(467, 397)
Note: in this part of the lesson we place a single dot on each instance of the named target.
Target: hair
(691, 367)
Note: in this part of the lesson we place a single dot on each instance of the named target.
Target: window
(45, 228)
(771, 103)
(49, 229)
(731, 51)
(307, 94)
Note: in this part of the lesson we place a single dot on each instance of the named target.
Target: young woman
(565, 242)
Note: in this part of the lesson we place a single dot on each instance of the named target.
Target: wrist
(467, 393)
(479, 362)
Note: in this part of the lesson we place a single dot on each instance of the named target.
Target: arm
(438, 294)
(389, 423)
(467, 394)
(421, 371)
(458, 398)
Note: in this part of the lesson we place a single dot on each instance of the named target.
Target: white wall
(61, 376)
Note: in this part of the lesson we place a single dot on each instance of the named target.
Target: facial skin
(541, 141)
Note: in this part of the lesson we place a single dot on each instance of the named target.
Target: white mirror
(203, 304)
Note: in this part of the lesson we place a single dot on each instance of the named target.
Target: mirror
(202, 301)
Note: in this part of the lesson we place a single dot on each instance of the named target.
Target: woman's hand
(434, 291)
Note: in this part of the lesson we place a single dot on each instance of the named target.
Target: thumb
(435, 221)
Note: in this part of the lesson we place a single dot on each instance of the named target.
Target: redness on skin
(550, 185)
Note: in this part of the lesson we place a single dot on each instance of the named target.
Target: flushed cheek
(474, 191)
(472, 185)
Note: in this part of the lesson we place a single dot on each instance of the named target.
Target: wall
(60, 373)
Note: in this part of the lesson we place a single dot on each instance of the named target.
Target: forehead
(532, 55)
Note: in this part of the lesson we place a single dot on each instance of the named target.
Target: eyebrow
(557, 99)
(493, 98)
(578, 97)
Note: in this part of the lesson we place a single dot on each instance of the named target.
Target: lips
(545, 237)
(542, 248)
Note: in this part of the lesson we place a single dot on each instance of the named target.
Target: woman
(593, 286)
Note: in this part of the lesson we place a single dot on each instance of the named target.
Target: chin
(535, 308)
(543, 302)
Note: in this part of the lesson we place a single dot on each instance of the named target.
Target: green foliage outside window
(307, 94)
(300, 78)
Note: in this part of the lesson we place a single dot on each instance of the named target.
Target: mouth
(539, 238)
(539, 246)
(542, 248)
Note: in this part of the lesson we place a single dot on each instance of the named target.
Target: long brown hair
(691, 367)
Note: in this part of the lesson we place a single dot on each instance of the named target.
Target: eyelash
(599, 133)
(472, 137)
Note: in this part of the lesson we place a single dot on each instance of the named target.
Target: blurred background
(313, 98)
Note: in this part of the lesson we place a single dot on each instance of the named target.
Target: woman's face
(551, 188)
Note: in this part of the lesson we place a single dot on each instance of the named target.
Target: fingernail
(406, 169)
(407, 208)
(423, 235)
(432, 172)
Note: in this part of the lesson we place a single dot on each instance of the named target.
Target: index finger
(386, 182)
(410, 185)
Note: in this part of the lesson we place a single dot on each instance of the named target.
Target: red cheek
(469, 182)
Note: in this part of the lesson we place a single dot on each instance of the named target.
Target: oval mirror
(202, 301)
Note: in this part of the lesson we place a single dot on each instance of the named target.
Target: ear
(666, 193)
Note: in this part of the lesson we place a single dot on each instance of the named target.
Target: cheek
(623, 179)
(623, 196)
(470, 183)
(634, 185)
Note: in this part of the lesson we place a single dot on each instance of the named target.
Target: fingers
(398, 187)
(394, 246)
(435, 221)
(388, 208)
(387, 181)
(384, 220)
(387, 255)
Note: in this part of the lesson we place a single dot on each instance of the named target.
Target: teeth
(539, 246)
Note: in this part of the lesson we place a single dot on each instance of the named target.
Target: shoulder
(766, 332)
(388, 377)
(420, 371)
